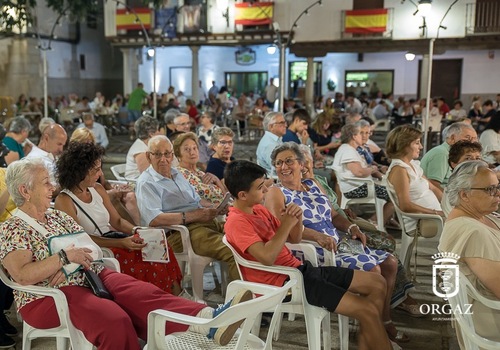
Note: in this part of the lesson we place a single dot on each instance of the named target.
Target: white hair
(461, 179)
(22, 172)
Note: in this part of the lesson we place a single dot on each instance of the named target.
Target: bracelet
(350, 228)
(63, 257)
(134, 229)
(184, 218)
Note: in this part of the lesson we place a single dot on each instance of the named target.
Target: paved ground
(426, 333)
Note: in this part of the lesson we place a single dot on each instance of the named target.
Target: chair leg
(197, 280)
(407, 244)
(379, 208)
(344, 332)
(62, 343)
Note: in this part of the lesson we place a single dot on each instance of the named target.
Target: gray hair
(218, 133)
(362, 124)
(306, 150)
(180, 115)
(461, 179)
(455, 129)
(170, 115)
(145, 126)
(269, 119)
(87, 116)
(22, 172)
(289, 117)
(210, 115)
(155, 140)
(19, 124)
(44, 122)
(348, 131)
(288, 146)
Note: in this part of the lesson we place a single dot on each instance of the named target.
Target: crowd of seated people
(174, 187)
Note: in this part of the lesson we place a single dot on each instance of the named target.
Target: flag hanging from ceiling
(128, 20)
(366, 21)
(253, 14)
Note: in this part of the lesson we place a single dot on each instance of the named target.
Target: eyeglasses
(491, 190)
(159, 155)
(289, 162)
(280, 123)
(225, 143)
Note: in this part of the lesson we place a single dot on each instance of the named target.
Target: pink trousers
(111, 324)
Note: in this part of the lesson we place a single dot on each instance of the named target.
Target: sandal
(392, 224)
(411, 309)
(399, 337)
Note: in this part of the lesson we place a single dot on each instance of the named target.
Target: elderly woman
(405, 177)
(472, 232)
(88, 203)
(368, 149)
(145, 127)
(19, 130)
(322, 223)
(490, 140)
(222, 143)
(207, 185)
(25, 254)
(349, 165)
(204, 133)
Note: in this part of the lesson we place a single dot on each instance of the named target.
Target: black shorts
(325, 285)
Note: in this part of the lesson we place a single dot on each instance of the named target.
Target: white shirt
(47, 158)
(131, 169)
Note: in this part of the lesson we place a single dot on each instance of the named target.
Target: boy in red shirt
(259, 236)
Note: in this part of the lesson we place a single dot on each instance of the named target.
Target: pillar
(309, 98)
(130, 70)
(424, 76)
(195, 74)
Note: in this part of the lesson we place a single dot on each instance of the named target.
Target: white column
(309, 97)
(195, 73)
(130, 70)
(424, 71)
(281, 94)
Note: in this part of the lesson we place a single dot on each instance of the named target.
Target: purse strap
(83, 211)
(32, 222)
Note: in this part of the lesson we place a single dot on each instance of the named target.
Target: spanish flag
(253, 14)
(366, 21)
(127, 20)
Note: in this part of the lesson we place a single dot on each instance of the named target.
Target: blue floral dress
(317, 215)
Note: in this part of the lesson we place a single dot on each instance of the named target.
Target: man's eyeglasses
(159, 155)
(225, 143)
(491, 190)
(280, 123)
(289, 162)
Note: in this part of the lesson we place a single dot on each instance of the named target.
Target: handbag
(350, 246)
(94, 282)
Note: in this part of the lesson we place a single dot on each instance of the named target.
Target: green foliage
(21, 11)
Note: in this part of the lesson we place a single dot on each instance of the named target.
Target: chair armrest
(185, 237)
(112, 263)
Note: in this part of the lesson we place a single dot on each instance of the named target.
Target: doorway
(238, 82)
(446, 79)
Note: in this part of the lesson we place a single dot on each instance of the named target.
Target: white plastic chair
(409, 239)
(118, 171)
(196, 263)
(383, 125)
(316, 318)
(66, 330)
(459, 304)
(270, 299)
(371, 198)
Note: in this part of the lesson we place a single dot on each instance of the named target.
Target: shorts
(362, 192)
(325, 286)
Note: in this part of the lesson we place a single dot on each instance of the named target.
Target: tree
(18, 13)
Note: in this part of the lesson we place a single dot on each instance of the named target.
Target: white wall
(480, 73)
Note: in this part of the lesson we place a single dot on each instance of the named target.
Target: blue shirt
(216, 166)
(266, 146)
(158, 194)
(99, 133)
(290, 136)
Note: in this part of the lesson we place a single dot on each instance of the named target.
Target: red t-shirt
(242, 230)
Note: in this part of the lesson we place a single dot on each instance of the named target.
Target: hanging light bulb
(424, 7)
(410, 56)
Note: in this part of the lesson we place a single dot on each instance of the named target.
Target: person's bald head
(53, 139)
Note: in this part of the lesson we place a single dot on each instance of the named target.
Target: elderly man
(435, 162)
(50, 147)
(275, 128)
(97, 129)
(182, 123)
(165, 197)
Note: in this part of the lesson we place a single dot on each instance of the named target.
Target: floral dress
(17, 234)
(317, 215)
(210, 192)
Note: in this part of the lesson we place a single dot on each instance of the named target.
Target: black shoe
(6, 342)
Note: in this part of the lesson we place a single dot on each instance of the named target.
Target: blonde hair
(82, 135)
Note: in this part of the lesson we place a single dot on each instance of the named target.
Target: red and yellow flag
(366, 21)
(127, 20)
(253, 14)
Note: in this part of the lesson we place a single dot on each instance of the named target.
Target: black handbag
(94, 282)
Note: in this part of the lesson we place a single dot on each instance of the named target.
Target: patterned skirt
(161, 275)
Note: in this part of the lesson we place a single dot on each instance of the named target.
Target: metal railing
(482, 18)
(387, 34)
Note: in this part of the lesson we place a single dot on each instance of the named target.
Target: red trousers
(111, 324)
